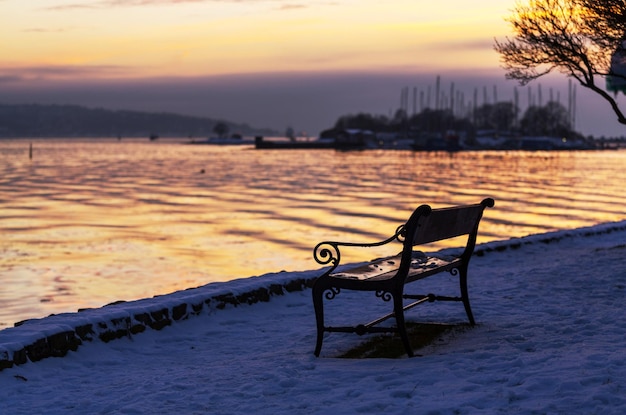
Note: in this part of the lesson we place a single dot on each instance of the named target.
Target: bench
(388, 276)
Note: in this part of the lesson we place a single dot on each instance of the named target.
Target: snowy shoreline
(549, 340)
(54, 336)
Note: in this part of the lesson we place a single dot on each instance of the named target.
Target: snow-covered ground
(550, 339)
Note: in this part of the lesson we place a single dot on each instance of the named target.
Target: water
(88, 222)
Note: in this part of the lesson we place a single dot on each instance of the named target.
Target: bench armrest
(328, 252)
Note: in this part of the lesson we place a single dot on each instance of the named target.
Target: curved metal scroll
(327, 252)
(385, 295)
(400, 233)
(331, 293)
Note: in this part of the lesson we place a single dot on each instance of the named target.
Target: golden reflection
(87, 223)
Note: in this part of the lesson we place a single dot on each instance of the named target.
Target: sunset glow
(112, 39)
(268, 63)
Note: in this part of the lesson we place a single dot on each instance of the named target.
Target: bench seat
(380, 269)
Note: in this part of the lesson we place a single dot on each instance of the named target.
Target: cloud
(478, 44)
(6, 79)
(44, 30)
(292, 6)
(104, 4)
(65, 7)
(50, 73)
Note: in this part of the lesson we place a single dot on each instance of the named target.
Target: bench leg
(465, 294)
(318, 304)
(398, 308)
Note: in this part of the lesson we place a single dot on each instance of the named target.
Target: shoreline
(54, 336)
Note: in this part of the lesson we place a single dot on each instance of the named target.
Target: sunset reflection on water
(85, 223)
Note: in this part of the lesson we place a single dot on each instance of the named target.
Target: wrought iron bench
(388, 276)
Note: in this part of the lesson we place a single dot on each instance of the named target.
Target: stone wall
(34, 340)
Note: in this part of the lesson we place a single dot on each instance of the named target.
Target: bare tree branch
(579, 38)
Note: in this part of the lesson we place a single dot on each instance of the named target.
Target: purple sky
(306, 102)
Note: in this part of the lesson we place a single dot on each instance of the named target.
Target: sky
(270, 63)
(536, 348)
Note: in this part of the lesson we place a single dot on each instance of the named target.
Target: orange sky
(144, 38)
(269, 63)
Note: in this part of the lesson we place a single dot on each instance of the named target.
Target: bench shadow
(420, 336)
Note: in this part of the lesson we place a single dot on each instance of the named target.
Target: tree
(433, 121)
(482, 117)
(579, 38)
(503, 116)
(500, 116)
(550, 120)
(221, 129)
(362, 121)
(400, 121)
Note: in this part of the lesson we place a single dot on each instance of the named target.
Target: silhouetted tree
(362, 121)
(502, 116)
(576, 37)
(433, 121)
(400, 117)
(400, 122)
(549, 120)
(221, 129)
(482, 117)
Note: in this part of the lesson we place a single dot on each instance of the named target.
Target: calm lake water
(88, 222)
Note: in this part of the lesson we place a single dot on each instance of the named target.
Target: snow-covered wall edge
(54, 336)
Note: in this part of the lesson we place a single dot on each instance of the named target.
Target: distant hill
(36, 120)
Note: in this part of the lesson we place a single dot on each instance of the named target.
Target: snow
(549, 339)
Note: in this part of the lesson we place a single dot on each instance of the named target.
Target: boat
(344, 140)
(275, 144)
(226, 141)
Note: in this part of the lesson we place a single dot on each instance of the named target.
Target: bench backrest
(428, 225)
